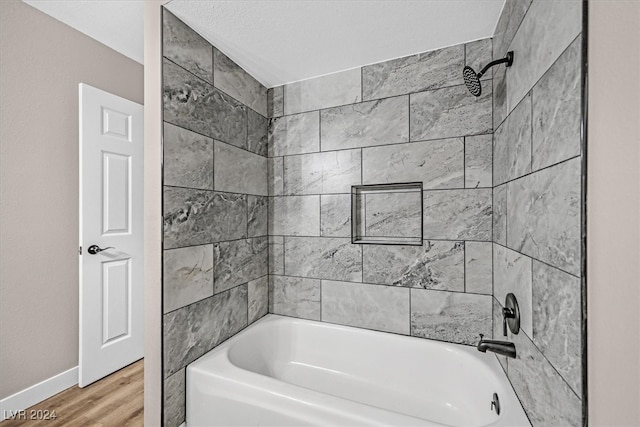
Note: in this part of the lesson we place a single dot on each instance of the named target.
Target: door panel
(111, 280)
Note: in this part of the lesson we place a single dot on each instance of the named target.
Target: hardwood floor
(116, 400)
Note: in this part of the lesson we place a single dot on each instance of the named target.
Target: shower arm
(508, 59)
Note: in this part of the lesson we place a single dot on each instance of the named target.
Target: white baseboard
(10, 406)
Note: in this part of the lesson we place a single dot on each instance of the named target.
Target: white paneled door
(111, 235)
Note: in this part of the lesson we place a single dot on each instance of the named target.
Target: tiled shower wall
(406, 120)
(537, 203)
(215, 205)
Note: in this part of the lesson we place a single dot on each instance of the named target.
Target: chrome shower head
(472, 79)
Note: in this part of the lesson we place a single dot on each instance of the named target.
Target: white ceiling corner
(118, 24)
(282, 41)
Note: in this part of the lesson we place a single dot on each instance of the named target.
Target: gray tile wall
(537, 203)
(216, 244)
(406, 120)
(501, 200)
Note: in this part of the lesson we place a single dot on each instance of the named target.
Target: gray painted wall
(42, 62)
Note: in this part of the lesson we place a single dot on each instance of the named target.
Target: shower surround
(501, 210)
(215, 204)
(537, 172)
(405, 120)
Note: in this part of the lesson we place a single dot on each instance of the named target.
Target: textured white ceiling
(118, 24)
(282, 41)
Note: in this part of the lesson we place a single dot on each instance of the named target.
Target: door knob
(94, 249)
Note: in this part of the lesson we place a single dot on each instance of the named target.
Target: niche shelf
(387, 214)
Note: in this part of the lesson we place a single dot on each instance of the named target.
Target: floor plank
(116, 400)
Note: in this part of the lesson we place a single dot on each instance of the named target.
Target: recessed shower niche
(387, 214)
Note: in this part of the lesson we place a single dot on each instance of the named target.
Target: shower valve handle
(507, 313)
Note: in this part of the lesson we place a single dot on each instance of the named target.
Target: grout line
(213, 85)
(216, 242)
(417, 288)
(213, 295)
(218, 191)
(464, 266)
(366, 147)
(213, 138)
(536, 259)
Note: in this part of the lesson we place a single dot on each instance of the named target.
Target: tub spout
(504, 348)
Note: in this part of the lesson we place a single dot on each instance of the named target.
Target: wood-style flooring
(116, 400)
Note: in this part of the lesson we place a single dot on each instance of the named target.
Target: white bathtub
(290, 372)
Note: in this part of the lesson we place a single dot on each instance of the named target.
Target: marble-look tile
(275, 172)
(195, 329)
(187, 99)
(458, 214)
(257, 129)
(512, 145)
(382, 308)
(326, 91)
(174, 407)
(497, 332)
(335, 215)
(508, 24)
(556, 110)
(546, 398)
(320, 173)
(185, 47)
(435, 265)
(239, 261)
(512, 274)
(188, 217)
(450, 316)
(478, 161)
(478, 263)
(438, 164)
(258, 297)
(556, 321)
(257, 216)
(275, 102)
(393, 214)
(228, 119)
(449, 112)
(188, 276)
(500, 107)
(233, 80)
(365, 124)
(500, 214)
(295, 215)
(477, 54)
(294, 296)
(276, 254)
(188, 158)
(229, 219)
(296, 134)
(543, 215)
(546, 31)
(331, 258)
(239, 171)
(415, 73)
